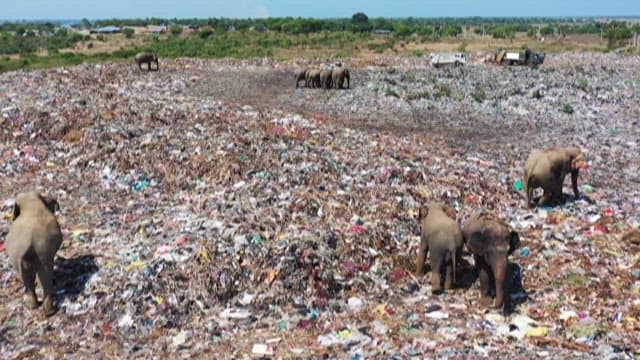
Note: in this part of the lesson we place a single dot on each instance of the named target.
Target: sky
(104, 9)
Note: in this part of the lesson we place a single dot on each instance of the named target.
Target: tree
(359, 18)
(175, 30)
(360, 22)
(86, 23)
(128, 32)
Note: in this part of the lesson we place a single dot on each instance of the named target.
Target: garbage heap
(201, 226)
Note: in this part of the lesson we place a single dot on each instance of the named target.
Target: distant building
(152, 29)
(106, 30)
(382, 32)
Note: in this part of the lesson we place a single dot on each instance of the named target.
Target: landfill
(213, 209)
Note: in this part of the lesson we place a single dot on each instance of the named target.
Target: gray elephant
(338, 76)
(313, 78)
(491, 242)
(147, 58)
(548, 168)
(442, 238)
(32, 242)
(301, 75)
(325, 78)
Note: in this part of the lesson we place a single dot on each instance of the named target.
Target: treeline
(359, 22)
(28, 42)
(220, 37)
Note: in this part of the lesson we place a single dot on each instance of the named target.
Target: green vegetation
(128, 32)
(418, 95)
(567, 109)
(479, 94)
(219, 37)
(442, 90)
(582, 83)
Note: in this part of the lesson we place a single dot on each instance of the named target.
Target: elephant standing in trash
(548, 168)
(442, 238)
(32, 242)
(147, 58)
(491, 242)
(301, 75)
(313, 78)
(338, 75)
(325, 78)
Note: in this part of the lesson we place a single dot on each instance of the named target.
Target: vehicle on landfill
(522, 57)
(448, 59)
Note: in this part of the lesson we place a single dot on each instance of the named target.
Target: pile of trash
(204, 225)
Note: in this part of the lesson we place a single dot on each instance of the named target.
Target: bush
(175, 30)
(391, 92)
(101, 38)
(418, 95)
(443, 90)
(567, 109)
(479, 94)
(128, 32)
(582, 83)
(204, 34)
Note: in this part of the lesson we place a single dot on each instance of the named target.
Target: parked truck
(448, 59)
(522, 57)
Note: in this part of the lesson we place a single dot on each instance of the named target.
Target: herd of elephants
(34, 236)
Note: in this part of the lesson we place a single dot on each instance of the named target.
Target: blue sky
(102, 9)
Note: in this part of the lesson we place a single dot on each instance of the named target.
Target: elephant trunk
(500, 273)
(574, 182)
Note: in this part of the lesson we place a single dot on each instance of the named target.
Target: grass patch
(479, 94)
(582, 83)
(442, 90)
(567, 109)
(418, 96)
(390, 92)
(417, 53)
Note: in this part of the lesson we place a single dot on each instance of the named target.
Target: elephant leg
(448, 276)
(422, 254)
(436, 261)
(28, 274)
(546, 197)
(45, 273)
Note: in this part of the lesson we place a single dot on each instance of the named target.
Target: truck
(448, 59)
(522, 57)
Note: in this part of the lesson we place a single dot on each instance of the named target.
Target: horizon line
(329, 18)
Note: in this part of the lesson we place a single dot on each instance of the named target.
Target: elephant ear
(578, 162)
(16, 211)
(479, 241)
(50, 203)
(423, 212)
(514, 241)
(451, 212)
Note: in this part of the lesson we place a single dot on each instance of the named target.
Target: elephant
(338, 76)
(147, 58)
(301, 75)
(325, 78)
(442, 238)
(491, 242)
(548, 168)
(33, 239)
(313, 78)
